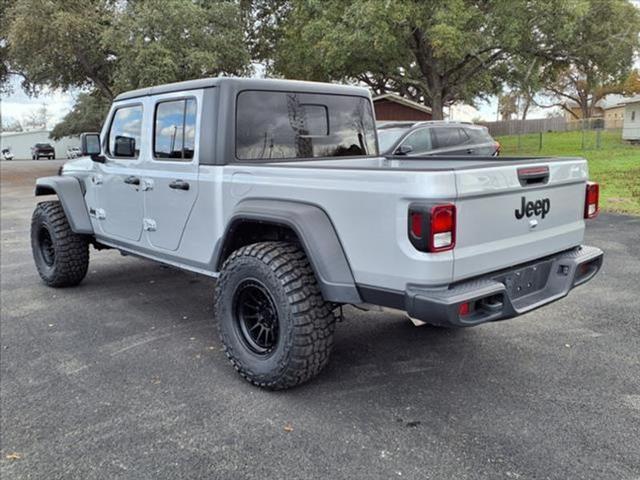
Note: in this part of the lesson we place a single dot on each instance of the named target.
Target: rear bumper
(504, 294)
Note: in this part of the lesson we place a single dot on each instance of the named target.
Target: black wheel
(275, 327)
(61, 256)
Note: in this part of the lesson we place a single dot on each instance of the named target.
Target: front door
(119, 200)
(171, 171)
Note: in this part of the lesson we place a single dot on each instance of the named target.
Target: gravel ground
(123, 377)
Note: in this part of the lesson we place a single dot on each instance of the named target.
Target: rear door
(170, 181)
(451, 140)
(509, 213)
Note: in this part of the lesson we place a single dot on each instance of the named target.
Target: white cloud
(18, 104)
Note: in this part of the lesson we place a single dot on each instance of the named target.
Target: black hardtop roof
(247, 84)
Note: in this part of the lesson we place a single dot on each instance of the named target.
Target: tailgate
(509, 214)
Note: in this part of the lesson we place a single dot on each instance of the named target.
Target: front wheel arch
(70, 193)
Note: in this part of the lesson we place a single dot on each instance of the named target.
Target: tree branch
(469, 57)
(92, 74)
(563, 94)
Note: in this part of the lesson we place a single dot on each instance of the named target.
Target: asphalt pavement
(123, 377)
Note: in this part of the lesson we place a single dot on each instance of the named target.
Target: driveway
(123, 377)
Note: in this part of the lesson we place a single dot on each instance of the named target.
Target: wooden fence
(551, 124)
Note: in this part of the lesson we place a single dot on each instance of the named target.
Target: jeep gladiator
(276, 188)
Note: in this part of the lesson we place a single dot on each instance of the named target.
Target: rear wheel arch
(295, 222)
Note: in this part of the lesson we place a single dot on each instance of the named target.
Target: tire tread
(311, 339)
(71, 249)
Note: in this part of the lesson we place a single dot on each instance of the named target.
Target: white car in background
(73, 152)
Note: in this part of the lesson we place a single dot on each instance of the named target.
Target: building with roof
(614, 116)
(20, 143)
(631, 127)
(610, 110)
(607, 102)
(394, 107)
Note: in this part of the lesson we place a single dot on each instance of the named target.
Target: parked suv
(276, 189)
(43, 150)
(435, 138)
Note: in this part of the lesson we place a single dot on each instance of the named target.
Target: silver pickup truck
(276, 188)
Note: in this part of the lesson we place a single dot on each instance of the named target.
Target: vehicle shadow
(380, 352)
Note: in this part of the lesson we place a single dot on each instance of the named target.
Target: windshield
(388, 136)
(42, 145)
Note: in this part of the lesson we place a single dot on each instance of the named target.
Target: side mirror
(90, 143)
(124, 146)
(403, 150)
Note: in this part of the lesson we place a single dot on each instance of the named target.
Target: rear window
(175, 128)
(479, 135)
(288, 125)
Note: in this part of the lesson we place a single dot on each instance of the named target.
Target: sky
(17, 105)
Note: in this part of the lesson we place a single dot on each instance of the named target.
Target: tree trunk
(525, 109)
(437, 106)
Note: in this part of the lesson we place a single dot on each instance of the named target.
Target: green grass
(615, 165)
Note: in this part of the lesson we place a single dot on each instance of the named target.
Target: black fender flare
(69, 191)
(317, 236)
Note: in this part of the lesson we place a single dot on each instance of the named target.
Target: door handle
(131, 180)
(470, 151)
(179, 185)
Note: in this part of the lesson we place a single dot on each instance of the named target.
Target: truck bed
(427, 163)
(369, 209)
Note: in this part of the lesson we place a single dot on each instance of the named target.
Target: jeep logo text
(539, 207)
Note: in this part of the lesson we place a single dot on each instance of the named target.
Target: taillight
(591, 200)
(464, 309)
(432, 228)
(497, 147)
(416, 224)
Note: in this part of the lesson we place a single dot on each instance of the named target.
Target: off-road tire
(305, 321)
(65, 259)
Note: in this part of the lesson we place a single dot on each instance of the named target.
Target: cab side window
(419, 141)
(175, 129)
(125, 132)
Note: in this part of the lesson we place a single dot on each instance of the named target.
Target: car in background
(435, 138)
(6, 154)
(73, 152)
(43, 150)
